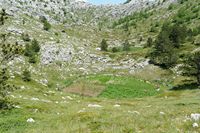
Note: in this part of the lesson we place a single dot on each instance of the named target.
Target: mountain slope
(75, 86)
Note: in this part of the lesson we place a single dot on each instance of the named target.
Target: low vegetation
(140, 73)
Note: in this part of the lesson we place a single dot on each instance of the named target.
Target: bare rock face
(74, 10)
(51, 53)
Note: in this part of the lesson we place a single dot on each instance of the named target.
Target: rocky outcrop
(78, 11)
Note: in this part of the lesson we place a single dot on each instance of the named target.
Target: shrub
(2, 17)
(35, 46)
(32, 59)
(153, 29)
(115, 49)
(8, 52)
(26, 75)
(104, 45)
(25, 37)
(164, 53)
(46, 26)
(32, 50)
(126, 46)
(192, 66)
(149, 42)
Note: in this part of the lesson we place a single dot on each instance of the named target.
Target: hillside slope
(65, 82)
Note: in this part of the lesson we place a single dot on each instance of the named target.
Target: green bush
(149, 42)
(104, 45)
(8, 52)
(115, 49)
(164, 52)
(192, 66)
(25, 37)
(126, 46)
(2, 17)
(32, 59)
(32, 50)
(35, 46)
(46, 26)
(26, 75)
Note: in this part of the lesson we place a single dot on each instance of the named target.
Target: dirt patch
(85, 88)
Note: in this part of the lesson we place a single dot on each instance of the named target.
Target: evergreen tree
(1, 20)
(46, 25)
(35, 46)
(126, 27)
(7, 52)
(104, 45)
(126, 46)
(192, 66)
(163, 53)
(32, 59)
(26, 76)
(32, 50)
(149, 42)
(28, 51)
(25, 37)
(2, 17)
(115, 49)
(177, 35)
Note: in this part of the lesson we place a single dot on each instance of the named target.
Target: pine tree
(35, 46)
(126, 46)
(7, 52)
(192, 66)
(26, 76)
(177, 35)
(32, 50)
(2, 17)
(164, 53)
(46, 25)
(149, 42)
(104, 45)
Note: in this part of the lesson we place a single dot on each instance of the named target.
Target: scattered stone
(22, 87)
(70, 98)
(116, 105)
(63, 98)
(195, 125)
(187, 119)
(149, 106)
(30, 120)
(82, 110)
(94, 106)
(195, 117)
(98, 49)
(12, 96)
(158, 89)
(17, 106)
(34, 99)
(134, 112)
(25, 98)
(162, 113)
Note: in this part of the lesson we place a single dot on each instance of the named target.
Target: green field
(167, 113)
(110, 86)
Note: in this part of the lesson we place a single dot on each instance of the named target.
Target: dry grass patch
(86, 88)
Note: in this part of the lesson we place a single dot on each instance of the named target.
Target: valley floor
(57, 112)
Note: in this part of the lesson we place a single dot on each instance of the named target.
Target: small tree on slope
(7, 53)
(192, 66)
